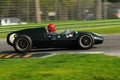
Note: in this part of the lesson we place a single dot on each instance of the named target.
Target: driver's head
(51, 28)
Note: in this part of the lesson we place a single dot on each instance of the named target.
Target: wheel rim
(22, 44)
(86, 41)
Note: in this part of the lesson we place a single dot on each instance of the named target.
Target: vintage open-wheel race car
(35, 38)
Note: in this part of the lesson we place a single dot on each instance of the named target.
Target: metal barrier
(27, 10)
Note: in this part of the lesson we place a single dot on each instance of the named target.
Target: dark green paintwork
(41, 38)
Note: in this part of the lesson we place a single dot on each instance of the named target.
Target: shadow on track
(35, 53)
(13, 54)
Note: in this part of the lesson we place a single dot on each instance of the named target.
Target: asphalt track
(111, 46)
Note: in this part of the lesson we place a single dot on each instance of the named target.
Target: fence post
(28, 10)
(79, 9)
(105, 9)
(55, 8)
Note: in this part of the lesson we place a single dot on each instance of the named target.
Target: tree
(99, 9)
(37, 11)
(113, 0)
(5, 7)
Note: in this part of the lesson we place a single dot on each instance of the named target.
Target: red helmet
(51, 28)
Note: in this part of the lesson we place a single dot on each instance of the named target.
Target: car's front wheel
(22, 44)
(86, 41)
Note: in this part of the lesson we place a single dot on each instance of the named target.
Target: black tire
(22, 44)
(86, 41)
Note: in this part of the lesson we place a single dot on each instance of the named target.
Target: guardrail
(64, 24)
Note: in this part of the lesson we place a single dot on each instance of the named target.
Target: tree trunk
(37, 11)
(99, 9)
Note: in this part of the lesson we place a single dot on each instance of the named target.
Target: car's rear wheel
(86, 41)
(22, 44)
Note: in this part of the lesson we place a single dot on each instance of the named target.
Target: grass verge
(62, 67)
(102, 30)
(111, 26)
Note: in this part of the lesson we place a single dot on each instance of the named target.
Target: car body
(34, 38)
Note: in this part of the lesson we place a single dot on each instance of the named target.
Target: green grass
(110, 26)
(102, 30)
(62, 67)
(3, 35)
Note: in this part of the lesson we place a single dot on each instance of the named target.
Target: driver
(51, 28)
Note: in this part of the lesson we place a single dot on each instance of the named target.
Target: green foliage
(18, 8)
(62, 67)
(114, 0)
